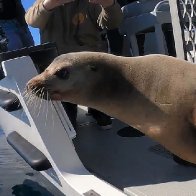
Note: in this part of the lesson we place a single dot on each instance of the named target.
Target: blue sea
(18, 178)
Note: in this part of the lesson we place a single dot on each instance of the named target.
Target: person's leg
(71, 110)
(18, 36)
(3, 42)
(103, 120)
(115, 41)
(125, 2)
(140, 42)
(10, 29)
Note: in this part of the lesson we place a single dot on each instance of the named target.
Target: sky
(34, 31)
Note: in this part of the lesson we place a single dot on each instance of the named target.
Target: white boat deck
(139, 166)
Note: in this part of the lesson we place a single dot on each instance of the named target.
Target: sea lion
(155, 93)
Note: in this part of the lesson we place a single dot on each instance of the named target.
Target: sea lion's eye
(62, 73)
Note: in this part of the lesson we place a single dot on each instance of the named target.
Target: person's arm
(39, 13)
(111, 15)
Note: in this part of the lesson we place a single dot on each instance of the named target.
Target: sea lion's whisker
(32, 90)
(39, 105)
(29, 95)
(41, 95)
(44, 105)
(34, 103)
(36, 92)
(38, 101)
(47, 98)
(34, 96)
(47, 107)
(29, 99)
(38, 97)
(52, 107)
(41, 100)
(24, 93)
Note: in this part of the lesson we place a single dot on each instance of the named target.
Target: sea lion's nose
(30, 86)
(36, 89)
(33, 86)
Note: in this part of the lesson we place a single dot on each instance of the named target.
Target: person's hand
(51, 4)
(104, 3)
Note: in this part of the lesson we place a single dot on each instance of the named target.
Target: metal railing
(184, 27)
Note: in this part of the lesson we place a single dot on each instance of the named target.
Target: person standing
(114, 37)
(76, 25)
(13, 25)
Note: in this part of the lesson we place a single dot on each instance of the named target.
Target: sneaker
(105, 123)
(90, 112)
(103, 120)
(106, 127)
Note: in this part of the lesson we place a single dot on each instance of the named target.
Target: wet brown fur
(155, 93)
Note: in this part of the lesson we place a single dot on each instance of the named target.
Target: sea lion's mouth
(46, 93)
(55, 95)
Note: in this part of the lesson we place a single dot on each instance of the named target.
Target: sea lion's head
(79, 77)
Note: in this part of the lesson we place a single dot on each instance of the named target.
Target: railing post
(177, 30)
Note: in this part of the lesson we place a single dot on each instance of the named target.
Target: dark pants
(71, 110)
(100, 117)
(115, 41)
(124, 2)
(18, 36)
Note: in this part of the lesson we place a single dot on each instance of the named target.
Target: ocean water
(18, 178)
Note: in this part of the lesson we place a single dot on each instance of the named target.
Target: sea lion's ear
(92, 67)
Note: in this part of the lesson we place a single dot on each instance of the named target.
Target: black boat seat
(33, 156)
(9, 101)
(41, 55)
